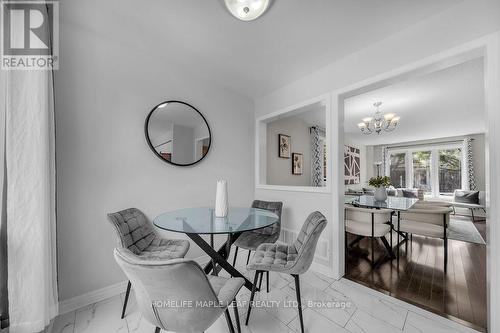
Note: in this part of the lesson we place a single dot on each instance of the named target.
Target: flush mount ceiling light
(379, 122)
(247, 10)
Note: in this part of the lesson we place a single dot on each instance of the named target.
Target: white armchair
(431, 221)
(374, 223)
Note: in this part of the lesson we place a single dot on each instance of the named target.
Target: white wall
(279, 170)
(104, 91)
(462, 23)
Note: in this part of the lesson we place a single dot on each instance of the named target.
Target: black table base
(220, 256)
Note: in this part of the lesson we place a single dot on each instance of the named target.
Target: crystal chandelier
(379, 122)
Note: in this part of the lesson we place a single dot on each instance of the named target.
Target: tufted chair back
(133, 229)
(167, 292)
(273, 206)
(306, 241)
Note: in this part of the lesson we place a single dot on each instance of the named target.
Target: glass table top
(202, 220)
(396, 203)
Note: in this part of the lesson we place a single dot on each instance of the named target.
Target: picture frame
(284, 146)
(297, 163)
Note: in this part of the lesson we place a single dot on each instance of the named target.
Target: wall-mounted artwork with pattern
(284, 146)
(352, 170)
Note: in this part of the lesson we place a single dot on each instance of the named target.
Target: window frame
(434, 149)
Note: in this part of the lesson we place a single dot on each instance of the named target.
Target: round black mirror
(178, 133)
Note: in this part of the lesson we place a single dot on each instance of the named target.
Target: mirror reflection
(296, 147)
(178, 133)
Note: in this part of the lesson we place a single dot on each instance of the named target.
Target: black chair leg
(254, 287)
(235, 254)
(260, 281)
(445, 255)
(236, 316)
(127, 294)
(299, 301)
(248, 258)
(157, 330)
(406, 244)
(229, 322)
(267, 281)
(472, 213)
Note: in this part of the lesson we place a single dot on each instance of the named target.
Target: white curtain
(30, 199)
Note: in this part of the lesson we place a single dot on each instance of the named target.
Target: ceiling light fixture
(379, 122)
(247, 10)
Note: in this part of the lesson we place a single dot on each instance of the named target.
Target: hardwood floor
(460, 294)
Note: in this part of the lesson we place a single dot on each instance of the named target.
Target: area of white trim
(293, 188)
(260, 144)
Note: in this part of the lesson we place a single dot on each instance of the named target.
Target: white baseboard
(98, 295)
(92, 297)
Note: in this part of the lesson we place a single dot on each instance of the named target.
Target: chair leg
(472, 213)
(390, 234)
(157, 330)
(254, 287)
(406, 244)
(236, 316)
(260, 281)
(373, 240)
(228, 320)
(248, 258)
(299, 301)
(235, 254)
(127, 294)
(267, 281)
(445, 255)
(397, 242)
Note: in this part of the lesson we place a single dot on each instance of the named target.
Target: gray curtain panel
(469, 161)
(316, 158)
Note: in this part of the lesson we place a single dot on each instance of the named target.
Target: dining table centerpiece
(380, 183)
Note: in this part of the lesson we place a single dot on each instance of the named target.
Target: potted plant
(380, 183)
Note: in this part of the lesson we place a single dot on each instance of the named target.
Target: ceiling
(446, 103)
(294, 38)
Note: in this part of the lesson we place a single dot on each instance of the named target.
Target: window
(422, 171)
(435, 169)
(397, 170)
(450, 170)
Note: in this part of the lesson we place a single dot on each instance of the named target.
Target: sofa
(470, 200)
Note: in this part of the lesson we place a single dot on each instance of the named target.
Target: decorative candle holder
(221, 205)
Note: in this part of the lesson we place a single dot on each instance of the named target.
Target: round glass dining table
(202, 221)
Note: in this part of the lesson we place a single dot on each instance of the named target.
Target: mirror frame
(146, 132)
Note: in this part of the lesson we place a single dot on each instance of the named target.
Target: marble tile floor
(329, 306)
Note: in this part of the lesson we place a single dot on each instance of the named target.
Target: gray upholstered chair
(252, 239)
(176, 294)
(293, 259)
(136, 234)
